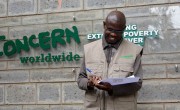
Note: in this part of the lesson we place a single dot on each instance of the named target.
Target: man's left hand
(104, 86)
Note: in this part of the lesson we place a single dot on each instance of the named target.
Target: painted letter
(57, 37)
(6, 48)
(31, 43)
(44, 40)
(21, 46)
(2, 38)
(74, 35)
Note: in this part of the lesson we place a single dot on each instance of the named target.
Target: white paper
(132, 76)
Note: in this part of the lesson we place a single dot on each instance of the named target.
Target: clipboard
(120, 81)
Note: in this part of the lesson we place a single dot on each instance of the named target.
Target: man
(111, 57)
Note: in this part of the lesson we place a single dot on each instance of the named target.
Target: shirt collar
(106, 45)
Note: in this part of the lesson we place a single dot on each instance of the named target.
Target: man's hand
(94, 81)
(104, 86)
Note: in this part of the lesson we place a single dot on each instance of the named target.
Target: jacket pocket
(122, 68)
(91, 100)
(126, 68)
(128, 98)
(91, 96)
(121, 71)
(96, 68)
(125, 106)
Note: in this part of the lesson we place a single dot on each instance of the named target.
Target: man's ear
(104, 24)
(124, 27)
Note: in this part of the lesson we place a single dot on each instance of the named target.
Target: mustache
(112, 40)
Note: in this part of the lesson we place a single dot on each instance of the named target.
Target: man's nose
(112, 34)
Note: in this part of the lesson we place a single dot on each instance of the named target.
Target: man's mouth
(111, 38)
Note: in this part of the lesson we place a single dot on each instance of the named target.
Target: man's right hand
(94, 81)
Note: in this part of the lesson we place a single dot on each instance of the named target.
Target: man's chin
(111, 42)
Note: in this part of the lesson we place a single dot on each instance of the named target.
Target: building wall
(52, 86)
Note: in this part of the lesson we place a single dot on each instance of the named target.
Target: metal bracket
(74, 18)
(176, 68)
(73, 70)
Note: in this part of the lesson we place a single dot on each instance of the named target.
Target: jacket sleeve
(82, 78)
(128, 89)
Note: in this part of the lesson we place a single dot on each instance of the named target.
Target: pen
(90, 71)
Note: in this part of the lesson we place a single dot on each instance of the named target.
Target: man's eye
(110, 30)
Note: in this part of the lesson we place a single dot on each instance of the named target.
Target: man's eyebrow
(114, 29)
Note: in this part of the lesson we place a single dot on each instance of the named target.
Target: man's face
(113, 32)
